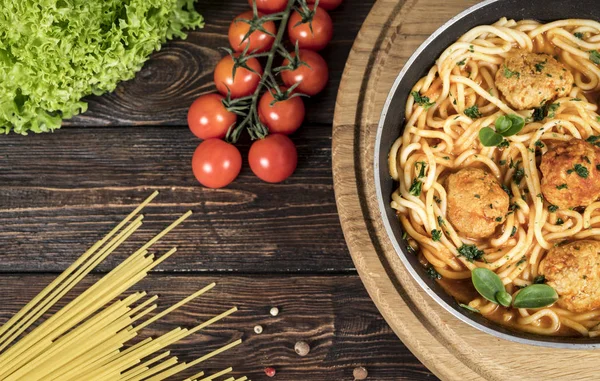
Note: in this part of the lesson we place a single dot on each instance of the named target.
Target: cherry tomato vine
(252, 98)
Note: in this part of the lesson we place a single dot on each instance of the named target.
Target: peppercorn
(270, 372)
(302, 348)
(360, 373)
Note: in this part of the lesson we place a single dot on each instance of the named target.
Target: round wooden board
(451, 349)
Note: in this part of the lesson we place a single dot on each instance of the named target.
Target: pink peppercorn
(270, 371)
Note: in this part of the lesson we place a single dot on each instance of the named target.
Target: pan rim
(518, 337)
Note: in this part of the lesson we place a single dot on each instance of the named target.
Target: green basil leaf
(517, 124)
(503, 124)
(535, 296)
(487, 283)
(489, 138)
(504, 298)
(467, 307)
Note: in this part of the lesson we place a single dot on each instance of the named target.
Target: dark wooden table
(266, 245)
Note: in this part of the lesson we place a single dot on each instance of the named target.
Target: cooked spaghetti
(522, 204)
(87, 339)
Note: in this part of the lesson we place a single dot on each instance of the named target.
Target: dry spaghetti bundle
(87, 338)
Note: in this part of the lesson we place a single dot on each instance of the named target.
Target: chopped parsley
(540, 279)
(461, 63)
(415, 188)
(440, 220)
(504, 144)
(437, 200)
(470, 252)
(539, 113)
(578, 35)
(576, 100)
(539, 144)
(552, 110)
(521, 261)
(502, 162)
(540, 66)
(562, 186)
(581, 171)
(423, 166)
(512, 208)
(598, 167)
(436, 235)
(553, 208)
(559, 221)
(586, 159)
(421, 100)
(433, 274)
(473, 112)
(498, 219)
(507, 190)
(518, 175)
(594, 139)
(514, 231)
(471, 48)
(417, 185)
(595, 57)
(509, 73)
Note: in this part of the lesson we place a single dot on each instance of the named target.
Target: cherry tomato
(329, 5)
(313, 78)
(274, 158)
(259, 41)
(319, 37)
(216, 163)
(284, 117)
(269, 6)
(245, 81)
(208, 118)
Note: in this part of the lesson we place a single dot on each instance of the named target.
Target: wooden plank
(333, 314)
(173, 77)
(64, 190)
(450, 348)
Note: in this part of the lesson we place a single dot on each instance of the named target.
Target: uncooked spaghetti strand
(142, 251)
(184, 366)
(129, 374)
(63, 289)
(146, 350)
(96, 330)
(42, 295)
(175, 306)
(211, 377)
(77, 311)
(42, 348)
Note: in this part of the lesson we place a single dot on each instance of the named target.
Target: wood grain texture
(59, 192)
(172, 78)
(333, 314)
(448, 347)
(80, 182)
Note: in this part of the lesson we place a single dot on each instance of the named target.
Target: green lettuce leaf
(55, 52)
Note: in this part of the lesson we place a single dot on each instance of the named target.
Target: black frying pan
(392, 118)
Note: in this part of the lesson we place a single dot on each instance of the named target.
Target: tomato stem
(252, 122)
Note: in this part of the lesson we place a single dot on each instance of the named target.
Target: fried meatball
(573, 270)
(528, 80)
(477, 204)
(570, 177)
